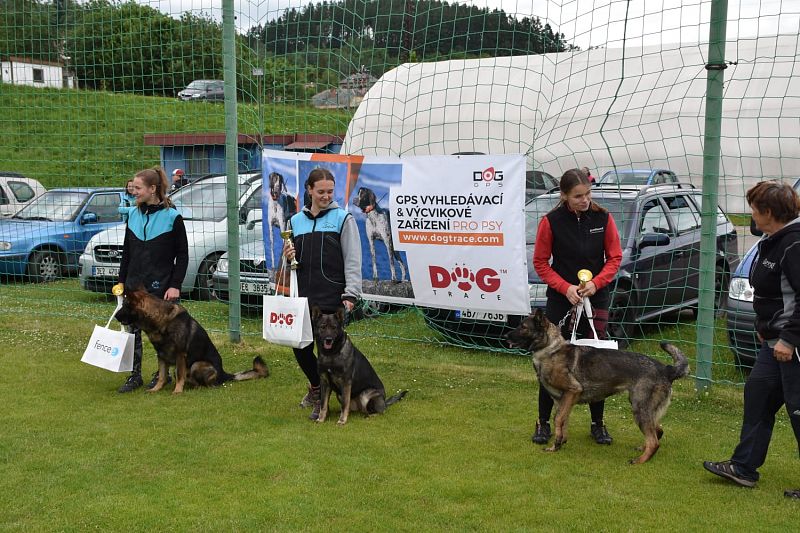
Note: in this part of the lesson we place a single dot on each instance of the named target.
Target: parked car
(44, 239)
(538, 182)
(17, 191)
(659, 229)
(255, 279)
(650, 176)
(740, 315)
(203, 207)
(198, 90)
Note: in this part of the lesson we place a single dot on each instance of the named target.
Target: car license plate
(481, 315)
(110, 272)
(250, 287)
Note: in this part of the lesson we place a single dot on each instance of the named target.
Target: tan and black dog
(180, 341)
(345, 370)
(583, 374)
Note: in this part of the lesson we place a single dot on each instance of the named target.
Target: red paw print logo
(466, 277)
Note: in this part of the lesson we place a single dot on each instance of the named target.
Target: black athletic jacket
(155, 253)
(775, 277)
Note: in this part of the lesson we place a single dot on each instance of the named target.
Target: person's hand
(348, 305)
(783, 351)
(589, 289)
(573, 296)
(288, 250)
(172, 294)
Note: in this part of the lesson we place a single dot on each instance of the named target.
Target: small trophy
(286, 235)
(584, 276)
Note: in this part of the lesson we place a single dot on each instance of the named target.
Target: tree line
(128, 47)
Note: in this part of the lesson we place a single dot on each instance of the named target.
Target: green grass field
(455, 455)
(66, 137)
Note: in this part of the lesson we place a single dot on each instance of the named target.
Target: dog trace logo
(281, 319)
(486, 280)
(489, 175)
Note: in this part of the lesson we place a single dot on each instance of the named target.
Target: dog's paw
(342, 421)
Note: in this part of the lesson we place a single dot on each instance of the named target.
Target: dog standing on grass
(180, 341)
(583, 374)
(345, 370)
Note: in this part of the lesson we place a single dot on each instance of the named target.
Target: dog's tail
(681, 366)
(396, 398)
(259, 370)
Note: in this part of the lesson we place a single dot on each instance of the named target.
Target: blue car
(43, 240)
(649, 176)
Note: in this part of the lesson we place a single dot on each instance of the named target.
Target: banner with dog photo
(398, 261)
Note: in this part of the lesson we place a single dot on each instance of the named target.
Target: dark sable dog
(344, 369)
(180, 341)
(583, 374)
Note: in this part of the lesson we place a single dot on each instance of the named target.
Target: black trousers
(770, 385)
(555, 311)
(308, 363)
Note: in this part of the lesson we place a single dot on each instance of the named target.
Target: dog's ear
(340, 315)
(315, 312)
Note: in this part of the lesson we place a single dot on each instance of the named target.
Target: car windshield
(56, 206)
(626, 178)
(540, 206)
(203, 201)
(201, 85)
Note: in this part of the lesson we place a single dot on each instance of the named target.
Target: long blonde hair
(156, 176)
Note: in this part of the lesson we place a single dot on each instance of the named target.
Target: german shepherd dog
(345, 370)
(180, 341)
(584, 374)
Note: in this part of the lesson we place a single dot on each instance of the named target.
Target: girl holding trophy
(578, 235)
(325, 249)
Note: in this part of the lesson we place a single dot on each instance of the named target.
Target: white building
(34, 72)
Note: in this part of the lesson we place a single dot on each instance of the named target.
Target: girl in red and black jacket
(577, 234)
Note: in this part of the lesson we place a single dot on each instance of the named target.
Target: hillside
(75, 137)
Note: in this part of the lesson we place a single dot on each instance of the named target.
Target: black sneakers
(133, 382)
(154, 380)
(308, 400)
(600, 434)
(542, 434)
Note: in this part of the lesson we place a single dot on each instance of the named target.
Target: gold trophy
(118, 289)
(286, 235)
(584, 276)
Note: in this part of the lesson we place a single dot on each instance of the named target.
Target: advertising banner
(436, 231)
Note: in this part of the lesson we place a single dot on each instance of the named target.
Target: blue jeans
(771, 384)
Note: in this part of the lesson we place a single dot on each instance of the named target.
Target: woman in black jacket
(775, 378)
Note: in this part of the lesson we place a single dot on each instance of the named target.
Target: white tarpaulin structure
(629, 108)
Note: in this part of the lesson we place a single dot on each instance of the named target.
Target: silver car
(203, 207)
(255, 278)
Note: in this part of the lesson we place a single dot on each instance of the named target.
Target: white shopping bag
(110, 349)
(287, 320)
(595, 342)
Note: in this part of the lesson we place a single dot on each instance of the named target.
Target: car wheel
(621, 317)
(722, 280)
(469, 333)
(205, 281)
(44, 266)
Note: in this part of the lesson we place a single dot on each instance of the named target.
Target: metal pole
(711, 155)
(231, 168)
